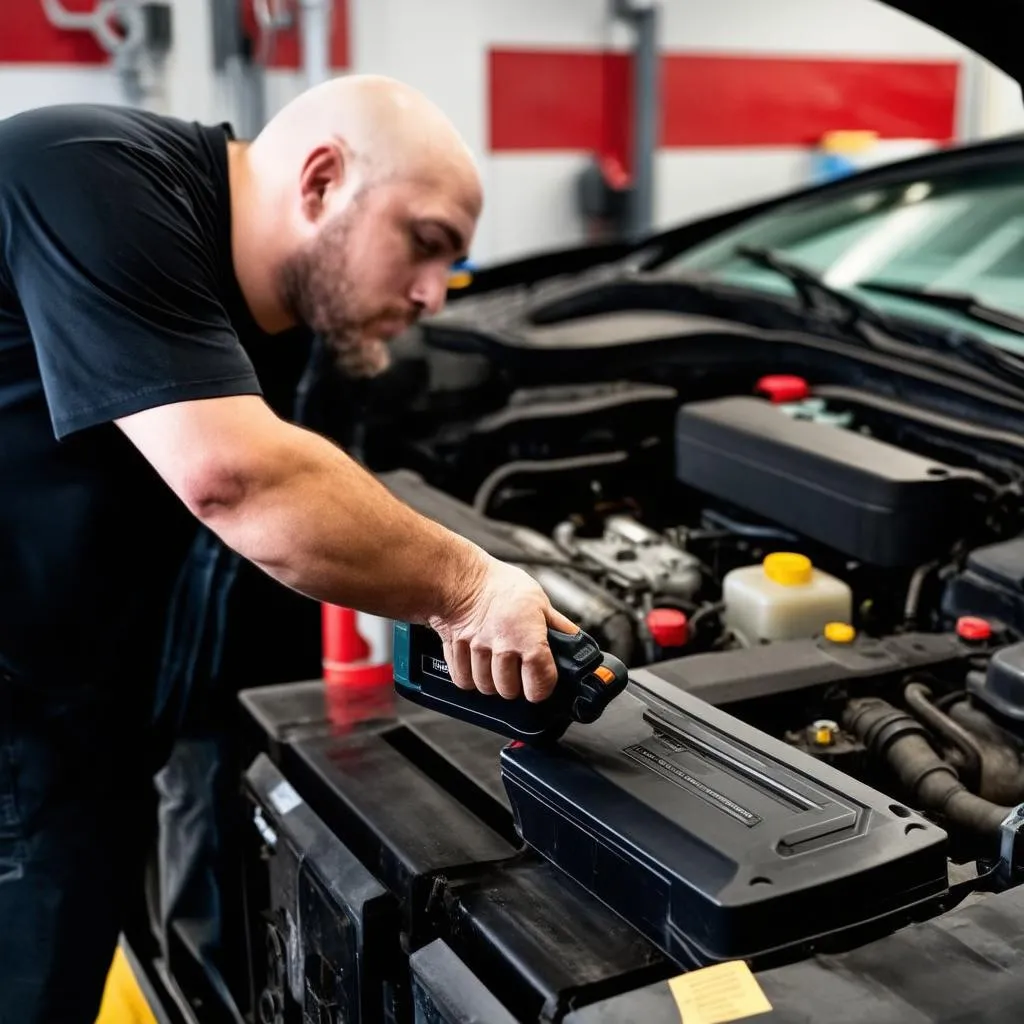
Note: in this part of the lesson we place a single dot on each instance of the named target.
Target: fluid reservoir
(783, 598)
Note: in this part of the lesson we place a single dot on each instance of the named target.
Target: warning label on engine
(653, 760)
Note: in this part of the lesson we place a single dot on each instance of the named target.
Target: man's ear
(322, 171)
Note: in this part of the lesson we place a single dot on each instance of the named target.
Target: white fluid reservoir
(783, 598)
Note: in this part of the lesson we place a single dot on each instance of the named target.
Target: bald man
(142, 261)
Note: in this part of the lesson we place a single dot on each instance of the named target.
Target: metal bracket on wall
(642, 16)
(126, 29)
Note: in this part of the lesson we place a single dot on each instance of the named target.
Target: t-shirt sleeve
(118, 280)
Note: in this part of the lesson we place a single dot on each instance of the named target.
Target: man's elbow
(214, 490)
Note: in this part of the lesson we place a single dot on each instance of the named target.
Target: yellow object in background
(848, 142)
(123, 1001)
(460, 279)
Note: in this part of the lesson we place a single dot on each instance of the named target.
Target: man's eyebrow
(455, 239)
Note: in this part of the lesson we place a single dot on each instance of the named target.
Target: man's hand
(497, 639)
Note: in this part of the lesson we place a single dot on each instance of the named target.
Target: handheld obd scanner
(588, 680)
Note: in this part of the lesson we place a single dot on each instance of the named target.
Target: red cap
(970, 628)
(781, 387)
(668, 626)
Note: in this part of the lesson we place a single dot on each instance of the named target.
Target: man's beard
(315, 285)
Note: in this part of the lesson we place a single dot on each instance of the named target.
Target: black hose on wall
(901, 741)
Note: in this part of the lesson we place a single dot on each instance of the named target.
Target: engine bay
(837, 568)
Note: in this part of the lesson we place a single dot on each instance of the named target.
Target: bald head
(359, 196)
(384, 126)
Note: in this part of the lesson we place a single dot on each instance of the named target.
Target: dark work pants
(75, 824)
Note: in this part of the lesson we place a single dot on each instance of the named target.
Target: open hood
(994, 29)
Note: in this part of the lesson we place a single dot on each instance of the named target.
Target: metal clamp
(1011, 847)
(99, 21)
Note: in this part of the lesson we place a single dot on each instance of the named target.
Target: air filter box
(870, 500)
(713, 839)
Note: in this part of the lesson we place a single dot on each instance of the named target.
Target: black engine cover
(867, 499)
(715, 840)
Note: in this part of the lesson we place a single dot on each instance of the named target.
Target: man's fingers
(507, 673)
(460, 664)
(480, 661)
(539, 674)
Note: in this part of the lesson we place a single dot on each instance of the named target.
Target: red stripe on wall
(738, 101)
(26, 36)
(543, 100)
(548, 100)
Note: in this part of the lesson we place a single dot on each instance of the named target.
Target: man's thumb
(556, 620)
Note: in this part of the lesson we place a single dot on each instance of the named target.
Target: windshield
(961, 232)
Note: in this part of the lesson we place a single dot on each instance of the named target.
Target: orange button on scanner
(605, 674)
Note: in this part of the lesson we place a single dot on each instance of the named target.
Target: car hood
(993, 29)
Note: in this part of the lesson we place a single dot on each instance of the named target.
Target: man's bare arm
(303, 511)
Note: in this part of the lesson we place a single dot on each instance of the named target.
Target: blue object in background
(461, 273)
(837, 154)
(830, 166)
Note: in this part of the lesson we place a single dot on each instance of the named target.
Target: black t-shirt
(117, 293)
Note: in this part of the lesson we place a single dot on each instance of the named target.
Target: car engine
(837, 568)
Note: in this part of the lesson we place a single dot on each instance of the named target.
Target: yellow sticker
(718, 994)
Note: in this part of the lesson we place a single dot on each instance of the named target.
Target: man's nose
(431, 289)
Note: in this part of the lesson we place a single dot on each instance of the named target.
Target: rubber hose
(491, 483)
(1002, 774)
(900, 740)
(918, 698)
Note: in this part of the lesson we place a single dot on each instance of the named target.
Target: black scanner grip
(587, 680)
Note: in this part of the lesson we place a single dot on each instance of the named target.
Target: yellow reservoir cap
(840, 633)
(788, 568)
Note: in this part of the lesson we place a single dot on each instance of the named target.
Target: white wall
(442, 47)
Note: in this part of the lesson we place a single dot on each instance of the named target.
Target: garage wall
(747, 90)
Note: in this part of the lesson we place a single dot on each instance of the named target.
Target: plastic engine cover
(868, 499)
(991, 585)
(715, 840)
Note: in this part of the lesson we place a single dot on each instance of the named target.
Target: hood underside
(993, 29)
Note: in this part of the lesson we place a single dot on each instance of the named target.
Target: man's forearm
(315, 520)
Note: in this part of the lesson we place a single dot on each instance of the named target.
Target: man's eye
(427, 246)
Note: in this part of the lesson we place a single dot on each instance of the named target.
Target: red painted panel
(770, 101)
(544, 99)
(286, 53)
(26, 36)
(547, 100)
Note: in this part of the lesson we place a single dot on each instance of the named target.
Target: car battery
(715, 840)
(540, 943)
(328, 926)
(403, 810)
(446, 991)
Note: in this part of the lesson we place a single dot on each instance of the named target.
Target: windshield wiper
(959, 302)
(819, 297)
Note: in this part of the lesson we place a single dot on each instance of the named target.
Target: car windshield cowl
(863, 321)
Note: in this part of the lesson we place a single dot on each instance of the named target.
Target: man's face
(376, 266)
